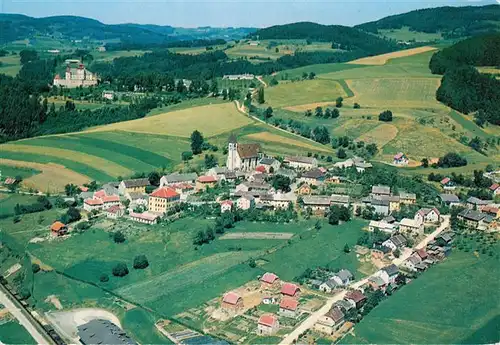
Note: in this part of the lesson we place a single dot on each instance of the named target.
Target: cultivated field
(10, 65)
(414, 315)
(382, 59)
(380, 135)
(404, 34)
(11, 332)
(285, 47)
(267, 137)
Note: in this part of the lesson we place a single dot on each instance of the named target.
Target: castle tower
(232, 153)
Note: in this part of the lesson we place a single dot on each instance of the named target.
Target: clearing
(380, 135)
(382, 59)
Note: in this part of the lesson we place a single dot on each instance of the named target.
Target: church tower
(232, 152)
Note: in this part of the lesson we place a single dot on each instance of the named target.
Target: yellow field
(209, 119)
(382, 59)
(104, 165)
(53, 177)
(380, 135)
(274, 138)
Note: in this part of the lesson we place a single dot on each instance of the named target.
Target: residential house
(447, 184)
(90, 205)
(392, 271)
(407, 198)
(145, 217)
(422, 254)
(492, 211)
(184, 189)
(340, 200)
(316, 203)
(333, 180)
(218, 172)
(231, 301)
(246, 202)
(301, 162)
(115, 212)
(330, 285)
(382, 226)
(427, 215)
(330, 322)
(395, 242)
(450, 200)
(400, 159)
(377, 282)
(243, 157)
(389, 219)
(111, 188)
(345, 277)
(313, 177)
(411, 227)
(304, 189)
(175, 178)
(137, 199)
(162, 199)
(253, 187)
(356, 298)
(269, 280)
(109, 201)
(394, 202)
(379, 252)
(475, 203)
(268, 324)
(444, 239)
(288, 307)
(357, 162)
(473, 219)
(136, 185)
(226, 206)
(58, 229)
(495, 189)
(277, 201)
(204, 182)
(381, 205)
(343, 305)
(381, 191)
(411, 262)
(291, 174)
(289, 289)
(271, 165)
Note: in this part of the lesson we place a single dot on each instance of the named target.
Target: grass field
(426, 312)
(285, 47)
(12, 332)
(12, 171)
(404, 34)
(382, 59)
(318, 69)
(303, 92)
(196, 102)
(9, 201)
(10, 65)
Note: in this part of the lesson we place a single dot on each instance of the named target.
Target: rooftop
(138, 182)
(165, 193)
(231, 298)
(103, 332)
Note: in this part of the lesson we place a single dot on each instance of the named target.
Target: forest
(462, 87)
(452, 22)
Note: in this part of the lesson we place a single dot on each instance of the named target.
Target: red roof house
(422, 254)
(9, 181)
(100, 194)
(268, 323)
(289, 304)
(290, 289)
(165, 193)
(207, 179)
(494, 187)
(356, 297)
(58, 228)
(232, 300)
(269, 278)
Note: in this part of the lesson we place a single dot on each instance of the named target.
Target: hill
(451, 22)
(342, 37)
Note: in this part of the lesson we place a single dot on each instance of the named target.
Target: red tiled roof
(289, 304)
(355, 295)
(93, 202)
(207, 179)
(164, 192)
(269, 278)
(490, 209)
(231, 298)
(9, 180)
(422, 253)
(57, 226)
(261, 168)
(445, 180)
(399, 155)
(100, 194)
(227, 202)
(268, 320)
(289, 289)
(182, 186)
(83, 188)
(114, 209)
(110, 198)
(494, 186)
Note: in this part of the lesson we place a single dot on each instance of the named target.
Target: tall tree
(260, 96)
(196, 142)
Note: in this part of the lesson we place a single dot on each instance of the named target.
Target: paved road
(314, 317)
(19, 314)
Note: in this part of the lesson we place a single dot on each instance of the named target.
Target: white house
(226, 206)
(268, 325)
(301, 162)
(244, 157)
(176, 178)
(90, 205)
(288, 307)
(330, 285)
(245, 202)
(411, 227)
(427, 215)
(382, 226)
(395, 242)
(400, 159)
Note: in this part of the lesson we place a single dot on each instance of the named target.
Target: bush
(187, 155)
(118, 237)
(104, 278)
(452, 159)
(35, 268)
(385, 116)
(120, 270)
(141, 262)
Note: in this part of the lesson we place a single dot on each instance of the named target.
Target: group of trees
(337, 214)
(328, 113)
(451, 160)
(42, 203)
(385, 116)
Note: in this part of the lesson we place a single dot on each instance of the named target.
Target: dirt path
(259, 78)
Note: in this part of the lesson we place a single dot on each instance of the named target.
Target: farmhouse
(242, 157)
(377, 283)
(356, 298)
(330, 322)
(291, 174)
(136, 185)
(103, 332)
(340, 200)
(382, 226)
(289, 289)
(301, 162)
(345, 277)
(473, 219)
(269, 280)
(137, 199)
(400, 159)
(288, 307)
(495, 189)
(330, 285)
(409, 226)
(232, 301)
(226, 206)
(175, 178)
(427, 215)
(475, 203)
(204, 182)
(450, 200)
(359, 163)
(58, 229)
(162, 199)
(316, 202)
(381, 205)
(271, 165)
(246, 202)
(407, 198)
(447, 184)
(268, 325)
(304, 189)
(381, 191)
(395, 242)
(239, 76)
(277, 201)
(313, 177)
(90, 205)
(491, 211)
(115, 212)
(109, 201)
(145, 217)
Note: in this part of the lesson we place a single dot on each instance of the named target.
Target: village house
(407, 198)
(447, 184)
(475, 203)
(330, 285)
(289, 289)
(184, 189)
(246, 202)
(422, 254)
(242, 157)
(301, 162)
(137, 199)
(269, 280)
(219, 172)
(379, 252)
(333, 180)
(450, 200)
(340, 200)
(304, 189)
(313, 177)
(382, 226)
(175, 178)
(204, 182)
(115, 212)
(58, 229)
(377, 283)
(145, 217)
(357, 162)
(392, 272)
(277, 201)
(291, 174)
(411, 227)
(226, 206)
(400, 159)
(344, 277)
(330, 322)
(472, 219)
(253, 187)
(394, 202)
(268, 324)
(90, 205)
(271, 165)
(495, 189)
(318, 204)
(109, 201)
(136, 185)
(379, 191)
(162, 199)
(109, 95)
(427, 215)
(288, 307)
(381, 205)
(492, 211)
(356, 298)
(111, 188)
(413, 263)
(395, 242)
(231, 301)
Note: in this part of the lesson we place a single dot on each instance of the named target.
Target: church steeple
(232, 139)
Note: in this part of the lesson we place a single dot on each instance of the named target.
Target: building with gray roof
(103, 332)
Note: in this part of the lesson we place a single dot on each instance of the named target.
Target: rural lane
(314, 317)
(19, 314)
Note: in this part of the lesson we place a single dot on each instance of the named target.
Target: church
(243, 157)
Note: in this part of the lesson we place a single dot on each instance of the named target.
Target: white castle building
(76, 75)
(243, 157)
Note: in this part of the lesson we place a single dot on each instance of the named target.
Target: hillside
(452, 22)
(342, 37)
(15, 27)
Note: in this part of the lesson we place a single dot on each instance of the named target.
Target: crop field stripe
(383, 58)
(468, 125)
(78, 167)
(346, 88)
